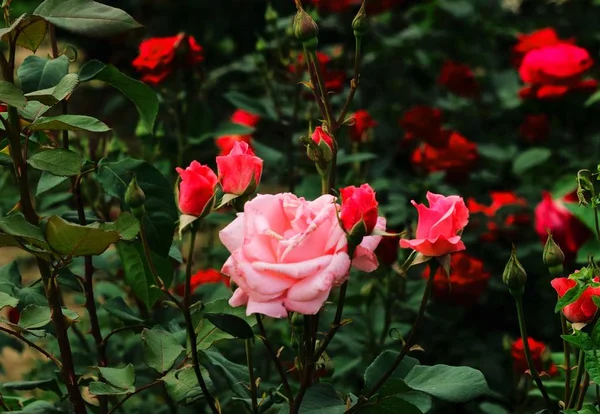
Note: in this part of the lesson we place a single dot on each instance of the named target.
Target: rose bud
(325, 144)
(440, 226)
(305, 28)
(134, 195)
(583, 309)
(240, 170)
(359, 24)
(359, 210)
(553, 256)
(514, 276)
(197, 189)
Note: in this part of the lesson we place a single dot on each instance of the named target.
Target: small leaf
(322, 399)
(37, 73)
(530, 158)
(570, 296)
(86, 17)
(382, 364)
(7, 300)
(185, 220)
(33, 317)
(182, 385)
(51, 96)
(252, 105)
(48, 181)
(126, 225)
(119, 309)
(49, 384)
(161, 349)
(69, 239)
(11, 95)
(69, 123)
(60, 162)
(208, 333)
(119, 377)
(233, 325)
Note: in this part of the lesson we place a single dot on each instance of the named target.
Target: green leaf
(16, 225)
(34, 317)
(530, 158)
(69, 239)
(11, 95)
(253, 105)
(161, 211)
(10, 283)
(48, 181)
(161, 349)
(33, 110)
(118, 381)
(126, 225)
(584, 214)
(398, 390)
(233, 325)
(29, 32)
(580, 340)
(37, 73)
(86, 17)
(208, 333)
(69, 123)
(119, 309)
(383, 362)
(224, 373)
(143, 96)
(182, 385)
(137, 271)
(270, 155)
(7, 300)
(322, 399)
(51, 96)
(49, 384)
(344, 159)
(453, 384)
(593, 99)
(570, 296)
(61, 162)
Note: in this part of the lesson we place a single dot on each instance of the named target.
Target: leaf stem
(253, 389)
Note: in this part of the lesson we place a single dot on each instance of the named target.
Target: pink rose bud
(583, 309)
(359, 209)
(197, 189)
(439, 226)
(325, 144)
(240, 170)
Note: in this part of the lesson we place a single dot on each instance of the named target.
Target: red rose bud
(197, 189)
(325, 143)
(539, 353)
(240, 170)
(583, 309)
(363, 123)
(359, 210)
(203, 277)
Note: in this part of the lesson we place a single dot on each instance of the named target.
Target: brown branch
(33, 345)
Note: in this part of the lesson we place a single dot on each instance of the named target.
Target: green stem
(584, 387)
(253, 389)
(596, 223)
(578, 376)
(336, 324)
(567, 356)
(353, 82)
(528, 357)
(319, 80)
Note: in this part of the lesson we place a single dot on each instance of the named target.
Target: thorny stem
(253, 389)
(353, 83)
(583, 391)
(33, 345)
(534, 374)
(578, 376)
(275, 358)
(409, 341)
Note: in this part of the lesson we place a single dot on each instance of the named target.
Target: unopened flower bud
(134, 195)
(514, 276)
(325, 144)
(359, 24)
(553, 256)
(305, 29)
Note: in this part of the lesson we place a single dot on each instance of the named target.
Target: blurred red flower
(203, 277)
(535, 128)
(459, 79)
(500, 199)
(536, 40)
(363, 122)
(466, 283)
(540, 354)
(457, 158)
(242, 117)
(158, 56)
(568, 232)
(424, 123)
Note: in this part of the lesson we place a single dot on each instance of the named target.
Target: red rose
(535, 128)
(535, 40)
(203, 277)
(196, 189)
(539, 353)
(363, 122)
(240, 170)
(457, 158)
(157, 58)
(334, 79)
(568, 232)
(583, 309)
(242, 117)
(466, 283)
(359, 207)
(553, 71)
(458, 79)
(498, 224)
(424, 123)
(320, 136)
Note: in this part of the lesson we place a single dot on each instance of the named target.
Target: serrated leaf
(208, 333)
(182, 385)
(322, 399)
(34, 316)
(69, 123)
(86, 17)
(11, 95)
(119, 309)
(160, 349)
(69, 239)
(60, 162)
(126, 225)
(48, 181)
(123, 378)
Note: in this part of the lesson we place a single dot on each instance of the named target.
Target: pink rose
(196, 189)
(286, 254)
(240, 170)
(583, 309)
(359, 206)
(439, 226)
(365, 258)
